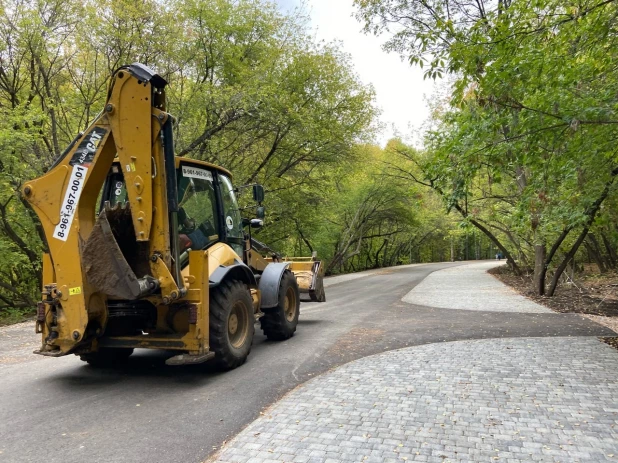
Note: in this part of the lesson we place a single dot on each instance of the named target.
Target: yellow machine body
(124, 259)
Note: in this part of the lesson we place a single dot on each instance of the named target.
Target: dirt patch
(17, 343)
(592, 295)
(354, 340)
(611, 341)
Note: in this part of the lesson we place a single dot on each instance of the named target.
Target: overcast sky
(400, 88)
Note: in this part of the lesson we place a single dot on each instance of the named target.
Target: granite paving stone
(515, 400)
(522, 399)
(469, 287)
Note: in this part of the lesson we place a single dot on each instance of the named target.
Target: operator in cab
(196, 217)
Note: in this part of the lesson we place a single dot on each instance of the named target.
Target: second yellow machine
(149, 250)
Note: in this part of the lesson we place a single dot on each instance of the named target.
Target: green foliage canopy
(525, 145)
(250, 91)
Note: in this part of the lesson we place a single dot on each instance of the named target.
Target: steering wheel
(207, 229)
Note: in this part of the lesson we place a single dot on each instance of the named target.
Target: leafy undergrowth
(611, 341)
(11, 316)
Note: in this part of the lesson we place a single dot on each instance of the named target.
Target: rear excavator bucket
(104, 262)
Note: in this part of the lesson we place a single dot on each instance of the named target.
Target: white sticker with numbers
(194, 172)
(69, 205)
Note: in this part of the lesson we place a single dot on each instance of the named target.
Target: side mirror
(258, 193)
(257, 223)
(260, 212)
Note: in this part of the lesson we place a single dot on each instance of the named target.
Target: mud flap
(270, 282)
(106, 267)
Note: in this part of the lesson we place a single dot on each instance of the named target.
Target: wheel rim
(238, 325)
(290, 304)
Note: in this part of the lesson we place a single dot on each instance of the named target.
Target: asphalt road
(61, 410)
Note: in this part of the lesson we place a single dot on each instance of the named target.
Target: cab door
(232, 229)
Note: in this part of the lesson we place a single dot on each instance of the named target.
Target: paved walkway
(469, 287)
(510, 400)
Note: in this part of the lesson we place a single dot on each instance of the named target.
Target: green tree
(248, 87)
(525, 149)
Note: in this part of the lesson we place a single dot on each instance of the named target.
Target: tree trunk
(507, 255)
(593, 252)
(600, 258)
(610, 251)
(589, 255)
(565, 261)
(377, 254)
(539, 269)
(591, 213)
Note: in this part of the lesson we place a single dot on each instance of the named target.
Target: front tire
(231, 324)
(279, 323)
(107, 357)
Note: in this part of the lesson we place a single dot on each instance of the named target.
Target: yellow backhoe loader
(149, 250)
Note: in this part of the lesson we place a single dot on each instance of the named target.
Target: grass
(11, 316)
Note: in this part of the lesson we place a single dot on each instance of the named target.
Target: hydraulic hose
(167, 135)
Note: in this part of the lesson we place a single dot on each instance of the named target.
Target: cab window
(231, 215)
(197, 218)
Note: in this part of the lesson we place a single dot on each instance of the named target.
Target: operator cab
(208, 210)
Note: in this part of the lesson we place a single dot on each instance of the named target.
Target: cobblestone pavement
(508, 400)
(469, 287)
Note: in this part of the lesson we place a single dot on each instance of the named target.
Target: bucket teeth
(120, 206)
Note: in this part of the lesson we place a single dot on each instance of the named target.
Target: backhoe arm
(86, 265)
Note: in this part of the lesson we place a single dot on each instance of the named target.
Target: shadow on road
(311, 322)
(142, 369)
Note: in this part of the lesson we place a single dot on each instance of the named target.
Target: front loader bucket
(105, 264)
(317, 294)
(309, 271)
(310, 277)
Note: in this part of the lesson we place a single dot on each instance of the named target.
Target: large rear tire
(231, 323)
(279, 323)
(107, 357)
